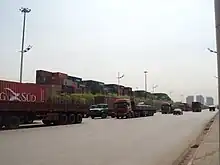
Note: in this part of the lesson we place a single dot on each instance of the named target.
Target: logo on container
(10, 95)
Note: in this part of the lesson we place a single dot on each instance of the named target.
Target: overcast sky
(94, 39)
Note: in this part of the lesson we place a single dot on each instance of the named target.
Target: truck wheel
(28, 121)
(113, 115)
(72, 119)
(63, 119)
(13, 122)
(93, 117)
(46, 122)
(151, 114)
(78, 118)
(104, 116)
(1, 124)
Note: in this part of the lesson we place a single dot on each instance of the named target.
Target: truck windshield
(93, 106)
(121, 105)
(102, 106)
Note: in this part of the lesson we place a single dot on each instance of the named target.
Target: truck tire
(151, 114)
(128, 115)
(29, 121)
(78, 118)
(13, 122)
(46, 122)
(93, 117)
(113, 115)
(104, 116)
(63, 119)
(1, 122)
(72, 119)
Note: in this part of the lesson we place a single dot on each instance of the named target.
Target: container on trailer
(24, 92)
(52, 91)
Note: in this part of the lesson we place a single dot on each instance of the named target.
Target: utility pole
(217, 25)
(145, 83)
(23, 10)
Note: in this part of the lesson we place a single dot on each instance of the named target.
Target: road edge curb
(187, 155)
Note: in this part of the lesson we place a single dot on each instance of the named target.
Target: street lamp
(217, 25)
(119, 77)
(154, 87)
(23, 10)
(212, 51)
(145, 83)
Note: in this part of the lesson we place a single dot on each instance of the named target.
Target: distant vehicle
(212, 108)
(196, 107)
(177, 111)
(166, 108)
(185, 107)
(99, 110)
(128, 109)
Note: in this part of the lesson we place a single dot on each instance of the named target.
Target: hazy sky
(94, 39)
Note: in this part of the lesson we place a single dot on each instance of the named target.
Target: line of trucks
(22, 103)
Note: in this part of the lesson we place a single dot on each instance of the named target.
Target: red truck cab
(123, 108)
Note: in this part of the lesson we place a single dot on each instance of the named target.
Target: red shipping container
(25, 92)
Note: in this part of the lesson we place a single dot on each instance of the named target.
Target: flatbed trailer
(126, 108)
(12, 113)
(25, 102)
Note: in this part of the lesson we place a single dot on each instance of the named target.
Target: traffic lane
(152, 140)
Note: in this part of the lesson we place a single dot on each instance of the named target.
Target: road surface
(142, 141)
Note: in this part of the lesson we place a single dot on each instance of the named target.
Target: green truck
(99, 110)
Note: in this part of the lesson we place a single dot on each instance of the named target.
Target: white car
(177, 111)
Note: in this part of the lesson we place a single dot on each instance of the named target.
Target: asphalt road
(142, 141)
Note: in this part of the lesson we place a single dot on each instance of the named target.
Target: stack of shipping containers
(58, 82)
(127, 91)
(94, 87)
(112, 88)
(62, 83)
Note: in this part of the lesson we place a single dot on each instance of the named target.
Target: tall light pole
(119, 77)
(217, 25)
(145, 83)
(23, 10)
